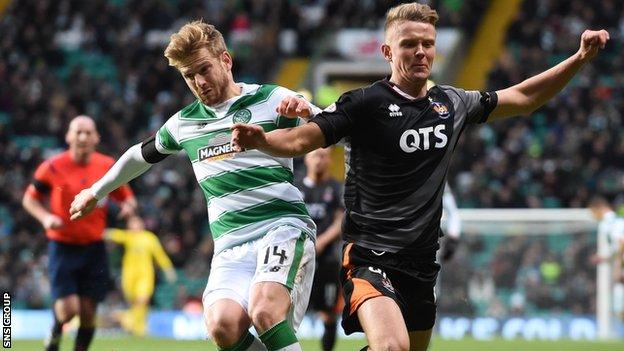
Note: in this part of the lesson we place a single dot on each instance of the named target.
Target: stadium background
(104, 58)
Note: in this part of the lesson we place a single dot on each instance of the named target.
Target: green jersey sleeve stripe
(167, 140)
(285, 122)
(271, 209)
(240, 180)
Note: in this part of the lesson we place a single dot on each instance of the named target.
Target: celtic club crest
(241, 116)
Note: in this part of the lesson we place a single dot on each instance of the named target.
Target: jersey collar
(397, 91)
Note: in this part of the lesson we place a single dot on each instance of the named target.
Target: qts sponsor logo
(423, 139)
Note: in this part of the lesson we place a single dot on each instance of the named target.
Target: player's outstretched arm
(129, 166)
(288, 142)
(529, 95)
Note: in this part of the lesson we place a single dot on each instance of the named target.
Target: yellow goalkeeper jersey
(142, 248)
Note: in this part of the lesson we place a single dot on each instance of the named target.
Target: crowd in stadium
(104, 59)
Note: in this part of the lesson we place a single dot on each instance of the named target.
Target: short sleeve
(41, 184)
(477, 105)
(167, 137)
(338, 119)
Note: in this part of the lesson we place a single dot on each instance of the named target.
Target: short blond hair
(411, 12)
(192, 37)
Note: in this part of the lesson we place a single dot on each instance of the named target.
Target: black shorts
(78, 269)
(409, 281)
(326, 286)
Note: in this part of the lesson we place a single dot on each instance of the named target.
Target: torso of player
(244, 190)
(397, 159)
(138, 251)
(322, 201)
(69, 178)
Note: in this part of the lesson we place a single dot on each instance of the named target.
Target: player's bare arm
(529, 95)
(47, 219)
(289, 142)
(331, 234)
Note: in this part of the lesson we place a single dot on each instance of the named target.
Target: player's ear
(227, 60)
(386, 52)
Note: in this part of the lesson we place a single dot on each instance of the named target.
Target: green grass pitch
(154, 344)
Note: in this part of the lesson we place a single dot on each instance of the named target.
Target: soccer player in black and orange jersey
(322, 196)
(78, 267)
(400, 137)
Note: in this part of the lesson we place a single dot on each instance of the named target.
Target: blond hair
(192, 37)
(411, 12)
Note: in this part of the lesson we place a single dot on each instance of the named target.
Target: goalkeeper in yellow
(141, 249)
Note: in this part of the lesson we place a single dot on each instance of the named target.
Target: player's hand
(449, 248)
(52, 221)
(294, 106)
(596, 259)
(320, 245)
(127, 208)
(171, 275)
(82, 205)
(591, 42)
(247, 136)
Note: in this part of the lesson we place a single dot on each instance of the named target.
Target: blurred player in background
(619, 281)
(141, 250)
(263, 264)
(323, 198)
(453, 225)
(78, 265)
(611, 230)
(400, 138)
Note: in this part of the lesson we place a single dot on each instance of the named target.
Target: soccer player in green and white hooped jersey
(263, 265)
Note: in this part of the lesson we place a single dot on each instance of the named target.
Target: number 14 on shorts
(275, 252)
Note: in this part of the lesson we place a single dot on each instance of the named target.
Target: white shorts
(285, 255)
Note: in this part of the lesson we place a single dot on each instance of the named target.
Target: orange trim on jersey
(362, 291)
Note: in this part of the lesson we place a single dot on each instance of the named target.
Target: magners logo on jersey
(423, 138)
(218, 148)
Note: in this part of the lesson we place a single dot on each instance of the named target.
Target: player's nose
(200, 80)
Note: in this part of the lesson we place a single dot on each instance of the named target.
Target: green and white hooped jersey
(247, 192)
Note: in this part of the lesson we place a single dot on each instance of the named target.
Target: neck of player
(232, 91)
(416, 88)
(80, 157)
